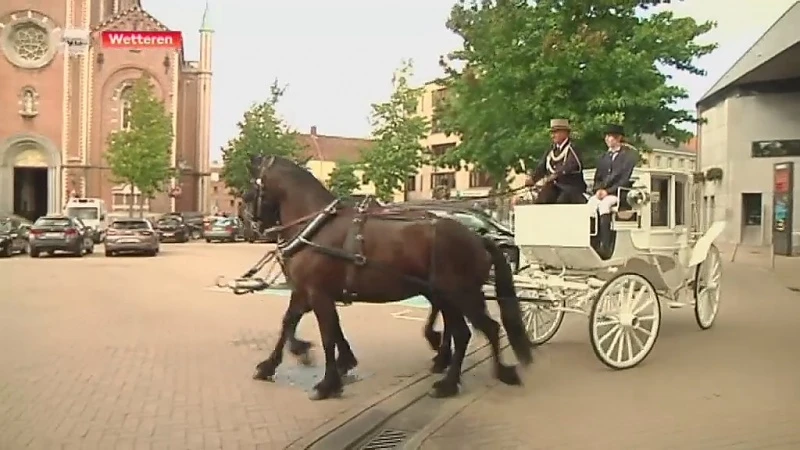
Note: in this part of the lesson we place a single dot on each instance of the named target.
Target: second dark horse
(378, 258)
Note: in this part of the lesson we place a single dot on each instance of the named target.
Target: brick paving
(135, 352)
(736, 386)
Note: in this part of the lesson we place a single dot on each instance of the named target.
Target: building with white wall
(752, 122)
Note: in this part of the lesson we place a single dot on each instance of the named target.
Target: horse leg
(474, 308)
(265, 370)
(433, 337)
(444, 354)
(454, 324)
(299, 348)
(346, 361)
(328, 322)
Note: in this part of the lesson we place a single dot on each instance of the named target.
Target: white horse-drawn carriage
(657, 260)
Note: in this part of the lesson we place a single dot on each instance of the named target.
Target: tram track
(399, 417)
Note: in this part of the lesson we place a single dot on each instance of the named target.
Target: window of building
(364, 179)
(669, 163)
(437, 98)
(659, 201)
(751, 208)
(411, 183)
(216, 189)
(776, 149)
(443, 179)
(441, 149)
(680, 203)
(125, 108)
(231, 203)
(657, 161)
(478, 178)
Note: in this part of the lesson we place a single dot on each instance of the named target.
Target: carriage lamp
(637, 198)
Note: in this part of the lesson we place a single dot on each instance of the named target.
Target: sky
(336, 58)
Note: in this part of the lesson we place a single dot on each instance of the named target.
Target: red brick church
(58, 109)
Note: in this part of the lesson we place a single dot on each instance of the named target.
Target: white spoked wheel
(541, 320)
(624, 321)
(707, 289)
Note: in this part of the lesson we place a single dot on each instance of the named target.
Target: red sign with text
(782, 181)
(142, 39)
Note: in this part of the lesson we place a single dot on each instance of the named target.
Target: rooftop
(320, 147)
(775, 56)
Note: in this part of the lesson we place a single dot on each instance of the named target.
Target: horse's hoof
(258, 375)
(318, 394)
(443, 389)
(344, 367)
(508, 375)
(305, 359)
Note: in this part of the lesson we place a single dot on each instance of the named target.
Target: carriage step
(676, 305)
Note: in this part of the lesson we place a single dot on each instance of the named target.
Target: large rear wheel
(707, 289)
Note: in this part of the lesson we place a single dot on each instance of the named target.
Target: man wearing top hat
(614, 170)
(560, 168)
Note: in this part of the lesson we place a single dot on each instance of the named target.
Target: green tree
(342, 180)
(397, 129)
(592, 61)
(140, 154)
(261, 132)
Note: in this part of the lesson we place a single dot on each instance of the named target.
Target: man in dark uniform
(560, 168)
(614, 171)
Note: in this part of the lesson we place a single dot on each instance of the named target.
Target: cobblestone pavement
(135, 352)
(735, 386)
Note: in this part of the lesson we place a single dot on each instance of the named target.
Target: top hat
(615, 130)
(559, 124)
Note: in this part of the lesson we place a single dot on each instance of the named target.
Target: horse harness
(353, 248)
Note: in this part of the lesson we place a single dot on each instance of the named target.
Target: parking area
(140, 352)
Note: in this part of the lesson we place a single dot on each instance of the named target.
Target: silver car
(132, 235)
(224, 229)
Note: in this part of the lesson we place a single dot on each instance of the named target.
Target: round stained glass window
(29, 41)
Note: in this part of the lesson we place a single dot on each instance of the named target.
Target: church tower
(204, 104)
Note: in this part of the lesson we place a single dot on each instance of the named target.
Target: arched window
(125, 108)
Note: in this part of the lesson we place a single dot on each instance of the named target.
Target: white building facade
(751, 121)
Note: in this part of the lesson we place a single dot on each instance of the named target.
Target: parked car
(131, 235)
(224, 229)
(485, 226)
(56, 232)
(194, 222)
(13, 236)
(172, 228)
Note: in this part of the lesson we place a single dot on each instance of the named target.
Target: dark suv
(193, 222)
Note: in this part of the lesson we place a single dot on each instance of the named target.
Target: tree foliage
(397, 129)
(141, 154)
(261, 132)
(342, 180)
(592, 61)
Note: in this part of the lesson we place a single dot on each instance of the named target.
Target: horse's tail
(510, 311)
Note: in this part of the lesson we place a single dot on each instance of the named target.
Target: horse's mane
(302, 178)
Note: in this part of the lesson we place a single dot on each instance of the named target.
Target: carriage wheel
(541, 321)
(624, 321)
(706, 289)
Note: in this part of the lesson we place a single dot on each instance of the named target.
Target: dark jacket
(614, 173)
(569, 170)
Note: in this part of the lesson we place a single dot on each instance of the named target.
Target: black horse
(380, 257)
(257, 215)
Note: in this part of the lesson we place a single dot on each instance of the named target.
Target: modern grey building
(752, 122)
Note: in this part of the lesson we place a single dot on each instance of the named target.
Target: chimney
(313, 130)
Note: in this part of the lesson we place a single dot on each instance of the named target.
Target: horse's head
(277, 182)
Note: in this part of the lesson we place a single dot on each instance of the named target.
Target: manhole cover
(387, 439)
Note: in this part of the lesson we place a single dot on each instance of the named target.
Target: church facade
(58, 109)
